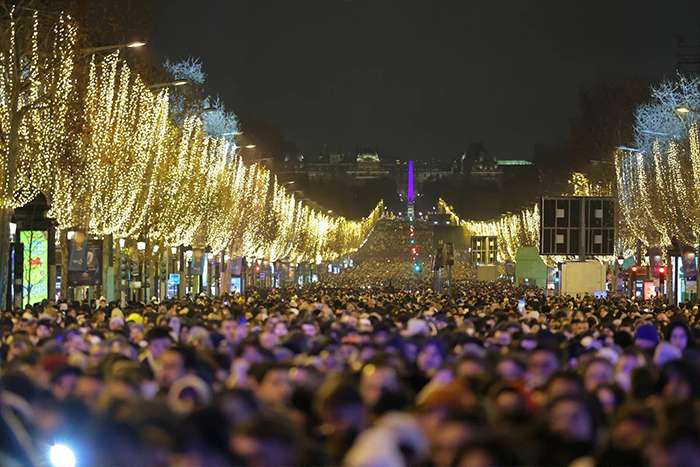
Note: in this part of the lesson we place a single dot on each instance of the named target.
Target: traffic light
(414, 251)
(134, 269)
(124, 269)
(633, 280)
(417, 267)
(450, 255)
(662, 276)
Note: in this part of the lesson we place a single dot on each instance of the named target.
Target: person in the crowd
(271, 384)
(678, 335)
(597, 372)
(541, 365)
(173, 364)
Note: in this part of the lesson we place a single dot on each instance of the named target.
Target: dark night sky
(421, 78)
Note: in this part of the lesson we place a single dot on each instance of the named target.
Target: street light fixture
(683, 109)
(122, 242)
(141, 245)
(627, 148)
(654, 133)
(179, 82)
(249, 146)
(173, 250)
(109, 48)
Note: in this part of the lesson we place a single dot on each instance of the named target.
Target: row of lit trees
(102, 148)
(512, 231)
(522, 229)
(658, 180)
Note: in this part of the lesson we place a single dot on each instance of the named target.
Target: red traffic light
(662, 270)
(634, 268)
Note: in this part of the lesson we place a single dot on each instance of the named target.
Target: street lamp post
(141, 247)
(157, 276)
(174, 261)
(187, 260)
(123, 272)
(619, 262)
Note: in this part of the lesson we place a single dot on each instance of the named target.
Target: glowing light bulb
(61, 455)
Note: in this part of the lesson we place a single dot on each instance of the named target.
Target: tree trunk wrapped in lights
(36, 88)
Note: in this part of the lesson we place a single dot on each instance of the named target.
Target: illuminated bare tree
(36, 66)
(660, 119)
(189, 100)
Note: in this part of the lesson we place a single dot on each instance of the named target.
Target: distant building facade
(474, 166)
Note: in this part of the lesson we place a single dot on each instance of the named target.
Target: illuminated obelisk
(410, 194)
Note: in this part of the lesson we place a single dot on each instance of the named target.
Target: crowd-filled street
(378, 376)
(349, 233)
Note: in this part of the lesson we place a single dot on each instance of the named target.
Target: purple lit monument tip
(409, 191)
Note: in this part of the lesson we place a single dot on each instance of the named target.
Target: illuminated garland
(658, 183)
(120, 166)
(581, 185)
(35, 96)
(513, 231)
(659, 190)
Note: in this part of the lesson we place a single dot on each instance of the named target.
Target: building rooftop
(513, 162)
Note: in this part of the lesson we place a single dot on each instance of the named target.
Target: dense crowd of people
(385, 259)
(491, 374)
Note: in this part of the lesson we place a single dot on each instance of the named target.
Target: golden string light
(581, 185)
(36, 88)
(512, 230)
(658, 190)
(112, 162)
